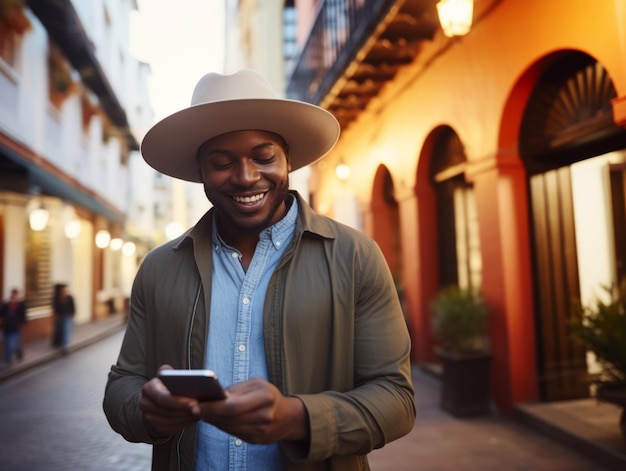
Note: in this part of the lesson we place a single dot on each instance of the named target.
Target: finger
(155, 396)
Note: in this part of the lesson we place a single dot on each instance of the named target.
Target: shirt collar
(277, 232)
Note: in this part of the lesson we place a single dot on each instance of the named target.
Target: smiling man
(297, 314)
(245, 175)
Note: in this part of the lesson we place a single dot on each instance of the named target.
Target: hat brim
(170, 146)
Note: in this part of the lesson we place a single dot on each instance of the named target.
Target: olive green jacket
(334, 335)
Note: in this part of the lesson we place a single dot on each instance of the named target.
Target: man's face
(246, 177)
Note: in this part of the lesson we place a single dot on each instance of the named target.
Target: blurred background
(484, 151)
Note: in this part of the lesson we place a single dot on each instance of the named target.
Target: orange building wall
(478, 85)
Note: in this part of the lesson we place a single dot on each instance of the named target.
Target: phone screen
(199, 384)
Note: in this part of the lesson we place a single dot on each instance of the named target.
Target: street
(52, 417)
(52, 420)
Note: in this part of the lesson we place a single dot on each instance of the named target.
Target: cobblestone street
(52, 417)
(52, 420)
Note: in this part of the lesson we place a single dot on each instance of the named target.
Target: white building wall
(14, 236)
(254, 39)
(57, 136)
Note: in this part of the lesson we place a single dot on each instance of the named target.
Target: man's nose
(247, 172)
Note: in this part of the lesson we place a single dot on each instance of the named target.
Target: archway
(566, 124)
(386, 221)
(447, 229)
(458, 248)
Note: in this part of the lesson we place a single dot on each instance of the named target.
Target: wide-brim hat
(241, 101)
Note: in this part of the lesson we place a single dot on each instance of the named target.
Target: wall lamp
(38, 217)
(455, 16)
(72, 225)
(116, 244)
(342, 170)
(128, 248)
(103, 238)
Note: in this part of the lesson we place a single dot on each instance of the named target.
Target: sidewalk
(41, 351)
(542, 436)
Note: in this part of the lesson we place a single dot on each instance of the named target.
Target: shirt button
(234, 255)
(242, 348)
(246, 301)
(238, 442)
(278, 244)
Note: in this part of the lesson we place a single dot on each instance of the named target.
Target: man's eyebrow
(263, 145)
(219, 151)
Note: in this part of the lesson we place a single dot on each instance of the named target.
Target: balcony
(62, 23)
(355, 47)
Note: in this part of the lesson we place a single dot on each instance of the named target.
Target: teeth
(248, 199)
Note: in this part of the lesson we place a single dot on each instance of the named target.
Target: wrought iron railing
(340, 30)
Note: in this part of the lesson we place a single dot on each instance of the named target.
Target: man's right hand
(164, 414)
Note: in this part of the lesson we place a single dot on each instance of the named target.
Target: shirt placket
(241, 364)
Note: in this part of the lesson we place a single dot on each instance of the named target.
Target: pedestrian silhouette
(13, 315)
(64, 310)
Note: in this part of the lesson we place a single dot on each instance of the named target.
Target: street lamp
(455, 16)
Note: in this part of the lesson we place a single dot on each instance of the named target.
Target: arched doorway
(458, 248)
(386, 222)
(567, 123)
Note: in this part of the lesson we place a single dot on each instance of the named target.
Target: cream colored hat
(237, 102)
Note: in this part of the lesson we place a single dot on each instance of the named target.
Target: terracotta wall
(478, 85)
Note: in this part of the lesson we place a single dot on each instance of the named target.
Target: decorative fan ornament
(568, 111)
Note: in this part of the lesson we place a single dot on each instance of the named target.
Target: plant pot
(465, 384)
(615, 395)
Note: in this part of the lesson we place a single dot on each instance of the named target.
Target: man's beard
(281, 192)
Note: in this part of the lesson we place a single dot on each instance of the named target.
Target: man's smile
(249, 199)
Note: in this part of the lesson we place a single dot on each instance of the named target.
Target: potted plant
(460, 324)
(601, 328)
(61, 84)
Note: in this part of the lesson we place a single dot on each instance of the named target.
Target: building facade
(73, 105)
(495, 160)
(260, 35)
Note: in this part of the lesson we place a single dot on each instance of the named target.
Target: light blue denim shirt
(236, 350)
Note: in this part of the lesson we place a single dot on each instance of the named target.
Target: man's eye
(221, 164)
(265, 159)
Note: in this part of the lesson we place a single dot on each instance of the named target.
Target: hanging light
(72, 223)
(342, 170)
(72, 229)
(103, 238)
(38, 218)
(38, 215)
(116, 244)
(128, 249)
(455, 16)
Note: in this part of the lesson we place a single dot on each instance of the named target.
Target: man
(13, 316)
(297, 314)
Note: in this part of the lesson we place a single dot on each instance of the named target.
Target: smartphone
(199, 384)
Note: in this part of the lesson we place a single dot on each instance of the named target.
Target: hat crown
(244, 84)
(242, 101)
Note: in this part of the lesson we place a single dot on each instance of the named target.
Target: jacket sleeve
(128, 375)
(380, 407)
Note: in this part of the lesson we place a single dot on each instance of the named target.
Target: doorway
(568, 119)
